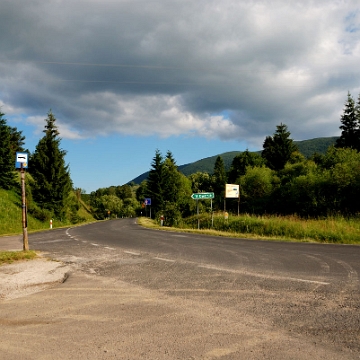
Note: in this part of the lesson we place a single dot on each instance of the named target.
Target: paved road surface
(144, 294)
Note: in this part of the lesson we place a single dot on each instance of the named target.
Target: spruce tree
(277, 149)
(7, 160)
(171, 179)
(357, 114)
(350, 135)
(154, 183)
(219, 181)
(52, 177)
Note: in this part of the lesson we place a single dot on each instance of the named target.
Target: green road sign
(198, 196)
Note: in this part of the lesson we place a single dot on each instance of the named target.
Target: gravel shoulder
(28, 277)
(23, 278)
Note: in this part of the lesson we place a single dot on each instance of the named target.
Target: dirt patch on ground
(27, 277)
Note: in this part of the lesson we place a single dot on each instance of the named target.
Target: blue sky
(115, 160)
(198, 78)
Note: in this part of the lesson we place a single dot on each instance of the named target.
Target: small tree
(277, 149)
(52, 177)
(240, 162)
(256, 187)
(350, 120)
(200, 182)
(7, 160)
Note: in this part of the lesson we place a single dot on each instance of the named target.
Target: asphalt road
(337, 266)
(198, 297)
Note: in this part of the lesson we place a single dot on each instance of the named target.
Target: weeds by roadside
(7, 257)
(291, 228)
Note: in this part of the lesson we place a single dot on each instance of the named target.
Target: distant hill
(318, 145)
(306, 147)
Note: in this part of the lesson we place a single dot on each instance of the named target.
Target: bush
(40, 214)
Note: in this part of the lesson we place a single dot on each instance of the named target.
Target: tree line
(279, 181)
(49, 188)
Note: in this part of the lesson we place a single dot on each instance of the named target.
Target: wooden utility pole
(24, 218)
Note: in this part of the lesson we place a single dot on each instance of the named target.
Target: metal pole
(197, 205)
(212, 216)
(23, 200)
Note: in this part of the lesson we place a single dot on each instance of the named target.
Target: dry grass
(7, 257)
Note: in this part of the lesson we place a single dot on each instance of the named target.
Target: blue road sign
(21, 160)
(147, 201)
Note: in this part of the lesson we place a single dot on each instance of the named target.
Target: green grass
(287, 228)
(7, 257)
(11, 216)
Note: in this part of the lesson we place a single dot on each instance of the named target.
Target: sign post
(232, 191)
(199, 196)
(22, 164)
(147, 202)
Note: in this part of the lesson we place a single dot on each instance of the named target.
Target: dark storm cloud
(225, 69)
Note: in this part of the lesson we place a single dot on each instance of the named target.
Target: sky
(199, 78)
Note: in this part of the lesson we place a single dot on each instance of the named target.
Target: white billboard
(232, 191)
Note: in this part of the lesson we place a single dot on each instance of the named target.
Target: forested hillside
(306, 147)
(314, 178)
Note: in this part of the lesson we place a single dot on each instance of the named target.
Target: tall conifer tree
(52, 177)
(7, 161)
(154, 183)
(171, 179)
(277, 149)
(219, 181)
(350, 120)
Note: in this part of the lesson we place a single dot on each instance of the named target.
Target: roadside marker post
(22, 164)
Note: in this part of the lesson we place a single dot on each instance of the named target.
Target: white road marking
(52, 241)
(162, 259)
(352, 273)
(94, 244)
(109, 248)
(132, 253)
(272, 277)
(182, 236)
(324, 265)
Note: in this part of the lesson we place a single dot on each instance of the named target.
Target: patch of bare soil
(27, 277)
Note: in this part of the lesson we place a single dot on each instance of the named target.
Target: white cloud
(180, 64)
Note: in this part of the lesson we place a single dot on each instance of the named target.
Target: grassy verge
(291, 228)
(7, 257)
(11, 216)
